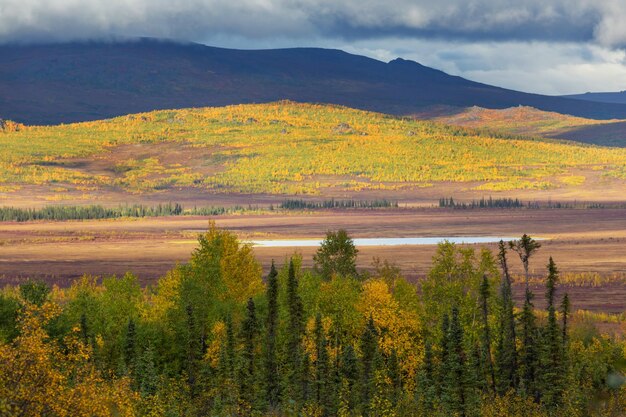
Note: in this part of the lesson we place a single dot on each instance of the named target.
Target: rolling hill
(528, 121)
(284, 148)
(62, 83)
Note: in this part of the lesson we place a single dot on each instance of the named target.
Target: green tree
(294, 366)
(393, 372)
(486, 333)
(349, 372)
(34, 292)
(272, 377)
(426, 391)
(529, 352)
(454, 389)
(146, 373)
(324, 389)
(369, 365)
(565, 311)
(336, 255)
(506, 350)
(130, 345)
(9, 311)
(247, 372)
(551, 358)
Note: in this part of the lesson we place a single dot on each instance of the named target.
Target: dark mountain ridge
(610, 97)
(60, 83)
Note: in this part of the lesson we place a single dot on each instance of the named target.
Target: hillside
(283, 148)
(528, 121)
(49, 84)
(617, 97)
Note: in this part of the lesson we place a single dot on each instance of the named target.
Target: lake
(381, 241)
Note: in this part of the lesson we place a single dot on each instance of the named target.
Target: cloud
(595, 21)
(546, 46)
(553, 69)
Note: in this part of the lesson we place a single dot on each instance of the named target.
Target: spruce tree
(322, 382)
(227, 368)
(272, 380)
(454, 390)
(295, 380)
(443, 352)
(529, 354)
(247, 372)
(506, 352)
(193, 350)
(565, 310)
(426, 392)
(486, 334)
(303, 382)
(393, 373)
(349, 373)
(130, 345)
(369, 362)
(551, 359)
(147, 374)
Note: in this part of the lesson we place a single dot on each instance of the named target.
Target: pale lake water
(381, 241)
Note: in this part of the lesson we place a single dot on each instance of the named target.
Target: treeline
(100, 212)
(211, 338)
(294, 204)
(482, 203)
(507, 203)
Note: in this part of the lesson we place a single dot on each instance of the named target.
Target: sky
(540, 46)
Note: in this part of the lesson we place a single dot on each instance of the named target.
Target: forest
(214, 337)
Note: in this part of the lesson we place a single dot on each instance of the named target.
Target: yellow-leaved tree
(38, 378)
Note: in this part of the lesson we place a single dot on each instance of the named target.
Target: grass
(285, 148)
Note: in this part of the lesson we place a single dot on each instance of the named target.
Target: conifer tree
(295, 381)
(304, 379)
(247, 372)
(454, 390)
(147, 374)
(506, 352)
(486, 334)
(551, 360)
(529, 354)
(565, 310)
(272, 380)
(393, 372)
(130, 345)
(426, 392)
(193, 350)
(443, 346)
(349, 373)
(369, 362)
(323, 385)
(227, 367)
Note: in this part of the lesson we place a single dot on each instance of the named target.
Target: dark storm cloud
(552, 20)
(546, 46)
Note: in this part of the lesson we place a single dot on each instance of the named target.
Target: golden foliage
(37, 378)
(290, 148)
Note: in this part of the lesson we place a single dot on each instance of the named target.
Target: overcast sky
(543, 46)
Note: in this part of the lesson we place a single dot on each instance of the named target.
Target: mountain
(49, 84)
(619, 97)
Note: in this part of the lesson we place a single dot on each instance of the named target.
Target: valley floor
(580, 241)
